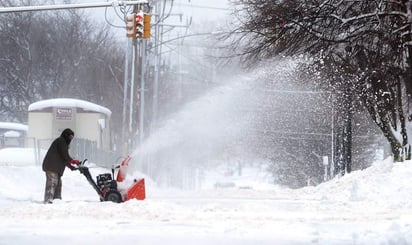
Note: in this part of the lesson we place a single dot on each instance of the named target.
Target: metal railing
(80, 149)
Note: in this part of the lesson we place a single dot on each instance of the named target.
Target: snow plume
(211, 129)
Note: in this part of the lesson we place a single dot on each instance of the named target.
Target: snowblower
(106, 185)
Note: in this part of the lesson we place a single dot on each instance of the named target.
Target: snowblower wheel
(113, 196)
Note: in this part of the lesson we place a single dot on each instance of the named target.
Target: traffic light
(146, 26)
(131, 25)
(139, 19)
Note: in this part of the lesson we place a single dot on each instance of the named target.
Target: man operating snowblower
(54, 163)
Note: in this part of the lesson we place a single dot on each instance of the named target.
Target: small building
(48, 118)
(12, 134)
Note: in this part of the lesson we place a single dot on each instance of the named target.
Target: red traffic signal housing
(139, 19)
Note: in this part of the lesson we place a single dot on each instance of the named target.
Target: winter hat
(66, 135)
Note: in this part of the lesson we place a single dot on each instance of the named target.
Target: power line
(69, 6)
(203, 6)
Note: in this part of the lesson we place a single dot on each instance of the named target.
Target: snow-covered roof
(12, 134)
(85, 105)
(13, 126)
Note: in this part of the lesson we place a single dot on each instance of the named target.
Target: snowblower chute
(108, 188)
(121, 174)
(137, 191)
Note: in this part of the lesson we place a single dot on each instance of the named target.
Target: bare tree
(363, 45)
(57, 54)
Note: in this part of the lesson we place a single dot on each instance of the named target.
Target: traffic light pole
(132, 86)
(125, 89)
(142, 90)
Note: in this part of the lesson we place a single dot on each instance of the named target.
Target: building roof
(65, 102)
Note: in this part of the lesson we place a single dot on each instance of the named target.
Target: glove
(73, 161)
(72, 168)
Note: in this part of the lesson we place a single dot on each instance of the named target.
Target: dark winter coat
(57, 157)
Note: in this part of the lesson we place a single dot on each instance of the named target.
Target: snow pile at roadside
(19, 156)
(385, 183)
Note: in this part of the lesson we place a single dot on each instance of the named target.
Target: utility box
(48, 118)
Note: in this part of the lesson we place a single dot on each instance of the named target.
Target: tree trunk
(347, 133)
(343, 141)
(396, 147)
(408, 52)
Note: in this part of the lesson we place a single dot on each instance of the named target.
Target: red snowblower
(106, 185)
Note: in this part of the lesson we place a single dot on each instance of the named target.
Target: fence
(81, 149)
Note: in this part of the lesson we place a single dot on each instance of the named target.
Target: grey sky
(198, 10)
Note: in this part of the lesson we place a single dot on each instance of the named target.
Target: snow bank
(19, 157)
(385, 183)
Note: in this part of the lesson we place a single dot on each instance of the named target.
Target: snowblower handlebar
(83, 162)
(81, 166)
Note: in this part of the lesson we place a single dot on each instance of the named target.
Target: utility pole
(138, 30)
(132, 87)
(125, 89)
(156, 66)
(142, 91)
(141, 48)
(157, 56)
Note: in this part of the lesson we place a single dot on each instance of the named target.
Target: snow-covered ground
(373, 206)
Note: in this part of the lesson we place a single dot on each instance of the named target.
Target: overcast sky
(204, 8)
(198, 10)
